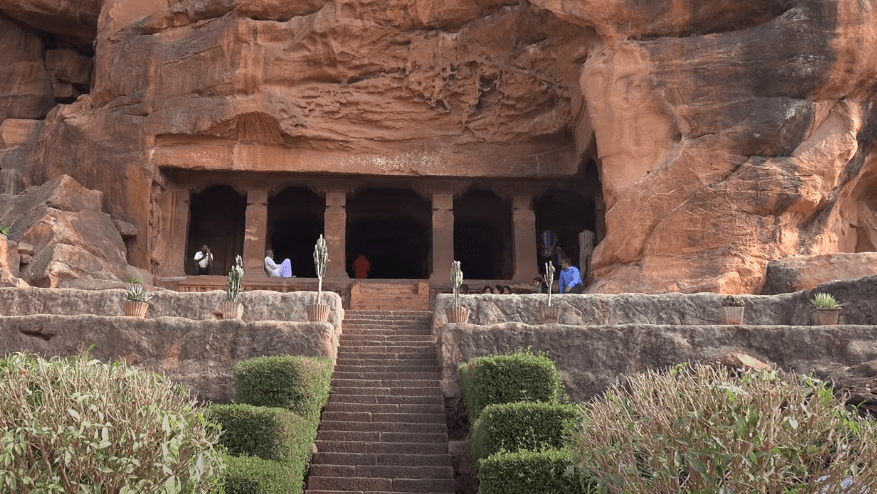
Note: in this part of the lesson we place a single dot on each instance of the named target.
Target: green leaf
(73, 413)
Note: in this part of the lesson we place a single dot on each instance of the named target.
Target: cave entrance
(217, 219)
(567, 213)
(392, 228)
(295, 222)
(483, 236)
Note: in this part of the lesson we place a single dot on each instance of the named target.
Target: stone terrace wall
(199, 354)
(602, 336)
(259, 305)
(591, 358)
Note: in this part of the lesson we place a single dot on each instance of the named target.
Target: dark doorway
(392, 228)
(218, 220)
(295, 222)
(483, 235)
(567, 213)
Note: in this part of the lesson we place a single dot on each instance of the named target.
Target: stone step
(386, 400)
(420, 428)
(363, 339)
(384, 326)
(388, 383)
(384, 330)
(333, 406)
(383, 471)
(324, 446)
(385, 437)
(410, 460)
(431, 363)
(387, 391)
(407, 418)
(364, 369)
(433, 375)
(425, 348)
(380, 485)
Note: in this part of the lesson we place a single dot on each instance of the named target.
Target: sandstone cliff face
(727, 134)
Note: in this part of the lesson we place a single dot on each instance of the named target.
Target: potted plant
(549, 314)
(137, 301)
(231, 308)
(131, 281)
(319, 312)
(732, 310)
(825, 309)
(457, 314)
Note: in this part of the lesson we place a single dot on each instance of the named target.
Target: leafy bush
(529, 472)
(251, 475)
(699, 429)
(267, 433)
(508, 378)
(77, 425)
(523, 425)
(300, 384)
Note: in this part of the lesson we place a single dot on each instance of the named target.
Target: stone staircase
(389, 295)
(383, 429)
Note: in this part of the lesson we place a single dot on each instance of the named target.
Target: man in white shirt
(282, 270)
(203, 261)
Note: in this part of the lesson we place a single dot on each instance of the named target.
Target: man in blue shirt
(570, 278)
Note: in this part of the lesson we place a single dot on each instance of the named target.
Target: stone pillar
(442, 236)
(178, 228)
(335, 229)
(524, 224)
(256, 232)
(600, 213)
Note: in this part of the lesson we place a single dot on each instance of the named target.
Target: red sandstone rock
(57, 263)
(797, 273)
(25, 91)
(72, 19)
(18, 132)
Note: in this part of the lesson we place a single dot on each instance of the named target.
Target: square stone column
(442, 236)
(335, 228)
(256, 232)
(524, 224)
(178, 230)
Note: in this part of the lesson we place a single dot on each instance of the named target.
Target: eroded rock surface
(727, 134)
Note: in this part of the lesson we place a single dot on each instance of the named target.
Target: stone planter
(458, 315)
(317, 312)
(548, 315)
(136, 309)
(732, 315)
(231, 310)
(824, 317)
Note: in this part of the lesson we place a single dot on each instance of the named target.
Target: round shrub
(700, 429)
(77, 425)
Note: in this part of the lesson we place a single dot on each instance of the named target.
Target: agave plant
(136, 293)
(824, 301)
(548, 277)
(456, 280)
(321, 260)
(235, 277)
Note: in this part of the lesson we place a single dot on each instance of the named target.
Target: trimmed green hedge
(268, 433)
(529, 472)
(252, 475)
(300, 384)
(508, 378)
(524, 425)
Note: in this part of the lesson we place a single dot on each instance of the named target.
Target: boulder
(857, 386)
(10, 260)
(796, 273)
(736, 362)
(62, 193)
(89, 230)
(69, 72)
(57, 263)
(18, 132)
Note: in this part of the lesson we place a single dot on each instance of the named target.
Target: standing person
(549, 251)
(361, 267)
(570, 278)
(203, 261)
(282, 270)
(587, 241)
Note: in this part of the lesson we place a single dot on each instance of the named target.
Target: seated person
(282, 270)
(539, 285)
(570, 278)
(507, 290)
(203, 261)
(487, 289)
(464, 289)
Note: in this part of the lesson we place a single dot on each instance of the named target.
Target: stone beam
(336, 233)
(524, 225)
(442, 236)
